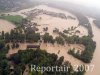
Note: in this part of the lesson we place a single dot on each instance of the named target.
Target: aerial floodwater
(95, 60)
(59, 37)
(6, 26)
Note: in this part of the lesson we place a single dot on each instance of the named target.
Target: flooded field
(61, 24)
(57, 49)
(54, 22)
(51, 22)
(6, 26)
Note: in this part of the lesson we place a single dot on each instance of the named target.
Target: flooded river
(96, 59)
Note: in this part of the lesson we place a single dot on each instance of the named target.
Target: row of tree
(49, 39)
(17, 35)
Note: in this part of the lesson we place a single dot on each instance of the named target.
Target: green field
(17, 20)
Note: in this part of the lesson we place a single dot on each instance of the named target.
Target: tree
(17, 70)
(8, 46)
(13, 45)
(2, 35)
(4, 67)
(59, 40)
(60, 61)
(2, 44)
(48, 38)
(34, 37)
(7, 37)
(17, 45)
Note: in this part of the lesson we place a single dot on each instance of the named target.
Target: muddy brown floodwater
(6, 26)
(96, 59)
(61, 25)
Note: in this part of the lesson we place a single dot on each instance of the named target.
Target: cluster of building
(35, 12)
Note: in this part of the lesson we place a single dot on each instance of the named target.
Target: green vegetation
(14, 36)
(86, 55)
(19, 36)
(59, 40)
(34, 37)
(17, 20)
(4, 66)
(48, 38)
(41, 58)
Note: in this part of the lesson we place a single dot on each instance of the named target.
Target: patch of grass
(17, 20)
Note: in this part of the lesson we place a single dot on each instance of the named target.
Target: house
(33, 46)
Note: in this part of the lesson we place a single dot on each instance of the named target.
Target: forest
(41, 58)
